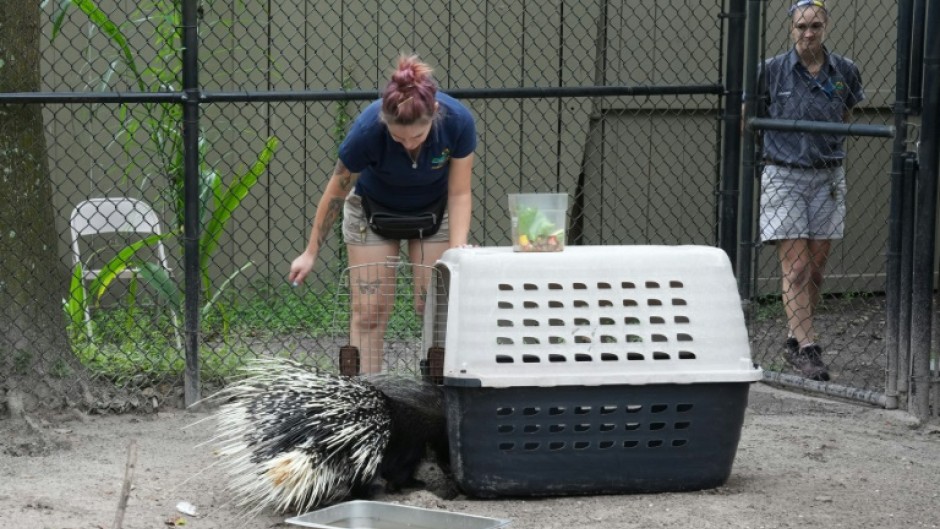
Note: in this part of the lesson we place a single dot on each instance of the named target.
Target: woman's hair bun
(411, 92)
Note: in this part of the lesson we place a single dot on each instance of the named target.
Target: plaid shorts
(802, 203)
(357, 231)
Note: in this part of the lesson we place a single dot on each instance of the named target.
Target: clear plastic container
(539, 221)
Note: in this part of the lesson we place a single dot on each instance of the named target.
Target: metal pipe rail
(825, 127)
(827, 388)
(533, 92)
(90, 97)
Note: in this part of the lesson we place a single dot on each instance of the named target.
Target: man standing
(803, 182)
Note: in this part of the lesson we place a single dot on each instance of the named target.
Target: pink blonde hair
(409, 96)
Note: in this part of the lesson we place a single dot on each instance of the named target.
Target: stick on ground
(128, 478)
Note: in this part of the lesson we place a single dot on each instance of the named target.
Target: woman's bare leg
(372, 289)
(425, 254)
(802, 263)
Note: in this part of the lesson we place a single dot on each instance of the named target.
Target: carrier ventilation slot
(533, 321)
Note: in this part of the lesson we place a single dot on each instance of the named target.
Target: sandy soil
(802, 462)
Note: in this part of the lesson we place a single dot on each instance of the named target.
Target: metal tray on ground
(362, 514)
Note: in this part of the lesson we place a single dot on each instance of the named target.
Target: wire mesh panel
(379, 310)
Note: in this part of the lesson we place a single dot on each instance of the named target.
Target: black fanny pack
(393, 224)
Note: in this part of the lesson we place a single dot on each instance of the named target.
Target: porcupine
(295, 438)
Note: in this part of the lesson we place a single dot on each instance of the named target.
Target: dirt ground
(802, 462)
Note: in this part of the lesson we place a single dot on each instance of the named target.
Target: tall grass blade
(218, 293)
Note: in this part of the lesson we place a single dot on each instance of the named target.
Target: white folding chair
(109, 215)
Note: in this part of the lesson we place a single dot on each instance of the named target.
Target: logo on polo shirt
(439, 162)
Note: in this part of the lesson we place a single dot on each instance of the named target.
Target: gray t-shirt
(790, 92)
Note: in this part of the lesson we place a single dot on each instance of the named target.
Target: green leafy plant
(82, 297)
(152, 131)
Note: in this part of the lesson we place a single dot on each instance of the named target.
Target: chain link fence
(806, 293)
(617, 104)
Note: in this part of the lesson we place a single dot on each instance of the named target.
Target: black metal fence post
(905, 285)
(731, 155)
(917, 56)
(191, 382)
(748, 153)
(926, 226)
(892, 292)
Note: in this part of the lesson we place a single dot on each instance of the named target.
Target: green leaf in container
(534, 224)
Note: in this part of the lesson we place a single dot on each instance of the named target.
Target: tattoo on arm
(333, 210)
(343, 176)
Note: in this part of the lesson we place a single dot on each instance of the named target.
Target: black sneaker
(808, 361)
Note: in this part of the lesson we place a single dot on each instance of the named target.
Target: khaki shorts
(802, 203)
(357, 231)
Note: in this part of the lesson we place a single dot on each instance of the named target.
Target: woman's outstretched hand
(300, 268)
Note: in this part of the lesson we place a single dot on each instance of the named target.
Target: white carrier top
(588, 315)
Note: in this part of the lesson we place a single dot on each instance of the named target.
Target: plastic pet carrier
(598, 369)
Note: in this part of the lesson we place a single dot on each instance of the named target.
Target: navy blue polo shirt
(385, 167)
(790, 92)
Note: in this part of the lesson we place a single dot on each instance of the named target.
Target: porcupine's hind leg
(440, 448)
(367, 491)
(417, 423)
(402, 457)
(406, 449)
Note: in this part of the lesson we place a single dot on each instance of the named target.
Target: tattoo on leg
(369, 287)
